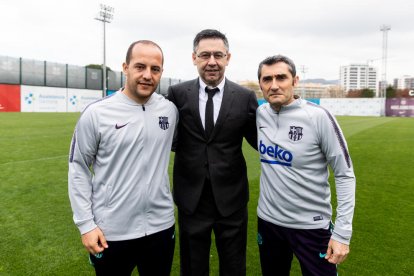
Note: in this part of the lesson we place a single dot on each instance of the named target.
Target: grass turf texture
(38, 237)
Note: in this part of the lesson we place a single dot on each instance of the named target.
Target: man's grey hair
(210, 34)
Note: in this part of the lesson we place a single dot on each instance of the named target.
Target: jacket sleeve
(82, 154)
(170, 97)
(336, 151)
(250, 132)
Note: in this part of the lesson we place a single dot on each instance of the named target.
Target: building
(358, 76)
(252, 85)
(405, 82)
(304, 89)
(312, 90)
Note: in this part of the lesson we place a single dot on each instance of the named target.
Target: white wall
(355, 106)
(43, 99)
(55, 99)
(78, 99)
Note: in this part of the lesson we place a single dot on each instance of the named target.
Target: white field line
(33, 160)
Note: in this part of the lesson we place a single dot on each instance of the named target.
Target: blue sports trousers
(278, 244)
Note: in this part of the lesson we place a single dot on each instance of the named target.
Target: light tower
(384, 29)
(105, 16)
(303, 69)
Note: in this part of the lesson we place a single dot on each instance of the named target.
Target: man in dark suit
(210, 176)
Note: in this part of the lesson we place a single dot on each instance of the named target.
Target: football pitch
(38, 237)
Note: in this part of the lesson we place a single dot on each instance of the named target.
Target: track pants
(152, 255)
(278, 244)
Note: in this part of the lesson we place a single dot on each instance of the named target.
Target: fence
(51, 74)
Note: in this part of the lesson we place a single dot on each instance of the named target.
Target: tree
(354, 93)
(390, 92)
(361, 93)
(367, 93)
(98, 66)
(402, 93)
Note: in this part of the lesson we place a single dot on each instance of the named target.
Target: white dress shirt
(202, 100)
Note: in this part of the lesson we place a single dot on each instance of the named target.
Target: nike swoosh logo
(322, 255)
(120, 126)
(262, 127)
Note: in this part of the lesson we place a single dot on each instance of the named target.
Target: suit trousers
(195, 238)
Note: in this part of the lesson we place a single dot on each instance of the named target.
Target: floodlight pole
(303, 69)
(384, 29)
(105, 16)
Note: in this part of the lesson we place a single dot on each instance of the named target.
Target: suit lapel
(193, 98)
(226, 103)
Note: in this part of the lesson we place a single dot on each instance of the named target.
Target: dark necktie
(209, 116)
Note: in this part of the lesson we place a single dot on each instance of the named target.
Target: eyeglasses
(207, 55)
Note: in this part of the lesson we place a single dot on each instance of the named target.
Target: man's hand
(94, 241)
(337, 252)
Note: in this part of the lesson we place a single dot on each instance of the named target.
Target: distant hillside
(323, 81)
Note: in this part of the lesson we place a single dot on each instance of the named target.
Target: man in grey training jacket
(118, 180)
(297, 140)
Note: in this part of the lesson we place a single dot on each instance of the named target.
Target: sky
(318, 35)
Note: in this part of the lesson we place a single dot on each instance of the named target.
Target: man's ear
(295, 81)
(228, 57)
(124, 68)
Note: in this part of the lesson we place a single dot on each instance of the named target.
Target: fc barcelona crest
(163, 123)
(295, 133)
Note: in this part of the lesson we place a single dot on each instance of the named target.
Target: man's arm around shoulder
(250, 132)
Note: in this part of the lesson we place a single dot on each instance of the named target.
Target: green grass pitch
(38, 237)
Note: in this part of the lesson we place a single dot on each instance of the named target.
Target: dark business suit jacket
(221, 154)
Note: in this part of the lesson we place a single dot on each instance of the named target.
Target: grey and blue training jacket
(118, 167)
(296, 147)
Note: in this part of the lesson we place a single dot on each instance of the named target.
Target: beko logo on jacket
(278, 155)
